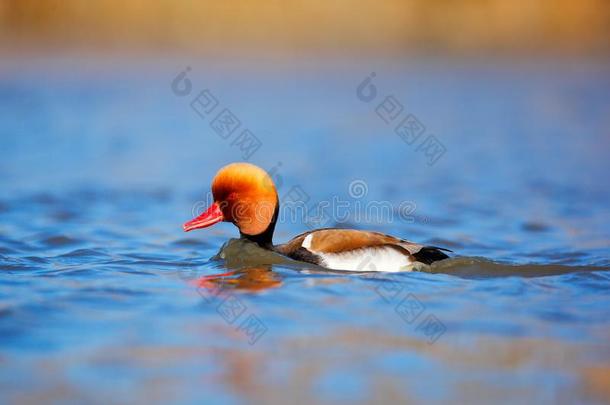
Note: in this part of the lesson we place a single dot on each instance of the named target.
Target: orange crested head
(245, 195)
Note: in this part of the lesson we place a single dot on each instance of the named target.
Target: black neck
(265, 238)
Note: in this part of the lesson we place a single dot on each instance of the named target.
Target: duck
(245, 195)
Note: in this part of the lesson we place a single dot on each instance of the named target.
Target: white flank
(369, 259)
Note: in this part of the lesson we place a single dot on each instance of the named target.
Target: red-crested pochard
(245, 195)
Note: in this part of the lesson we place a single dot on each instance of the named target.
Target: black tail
(430, 254)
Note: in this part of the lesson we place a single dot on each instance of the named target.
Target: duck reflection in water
(248, 279)
(250, 268)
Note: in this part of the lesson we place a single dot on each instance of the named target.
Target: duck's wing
(350, 249)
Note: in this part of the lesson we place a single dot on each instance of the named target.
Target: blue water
(104, 298)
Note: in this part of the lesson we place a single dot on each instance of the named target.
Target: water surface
(103, 298)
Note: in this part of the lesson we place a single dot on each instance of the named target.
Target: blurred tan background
(319, 26)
